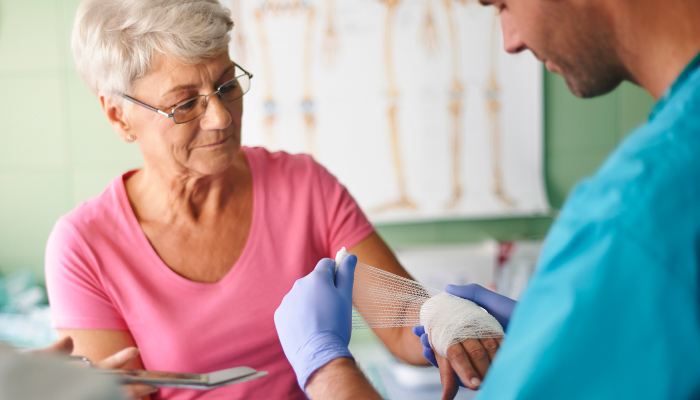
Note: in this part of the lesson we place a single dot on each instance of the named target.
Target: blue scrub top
(613, 309)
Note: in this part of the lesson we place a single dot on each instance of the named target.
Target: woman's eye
(228, 87)
(187, 105)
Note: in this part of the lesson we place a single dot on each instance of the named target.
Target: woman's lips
(217, 143)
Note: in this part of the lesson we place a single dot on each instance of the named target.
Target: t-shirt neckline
(155, 259)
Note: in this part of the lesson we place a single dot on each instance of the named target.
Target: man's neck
(657, 40)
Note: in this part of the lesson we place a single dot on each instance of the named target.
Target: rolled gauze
(384, 300)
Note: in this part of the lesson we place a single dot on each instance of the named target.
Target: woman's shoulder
(103, 210)
(281, 162)
(279, 157)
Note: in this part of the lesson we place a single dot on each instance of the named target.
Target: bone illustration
(403, 201)
(493, 108)
(331, 40)
(429, 35)
(455, 106)
(239, 40)
(276, 9)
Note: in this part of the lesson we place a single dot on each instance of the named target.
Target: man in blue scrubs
(613, 309)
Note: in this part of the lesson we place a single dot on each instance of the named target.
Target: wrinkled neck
(166, 196)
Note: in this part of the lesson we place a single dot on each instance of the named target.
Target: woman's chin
(216, 164)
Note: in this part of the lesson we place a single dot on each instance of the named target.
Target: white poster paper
(412, 104)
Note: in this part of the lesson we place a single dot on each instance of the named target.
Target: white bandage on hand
(385, 300)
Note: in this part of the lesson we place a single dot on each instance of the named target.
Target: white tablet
(188, 381)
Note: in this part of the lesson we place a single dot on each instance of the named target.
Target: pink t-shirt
(102, 273)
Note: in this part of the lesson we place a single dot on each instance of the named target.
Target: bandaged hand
(467, 362)
(501, 307)
(314, 320)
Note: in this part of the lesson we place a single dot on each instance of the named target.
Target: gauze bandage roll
(384, 300)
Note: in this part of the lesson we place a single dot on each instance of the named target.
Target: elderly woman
(188, 257)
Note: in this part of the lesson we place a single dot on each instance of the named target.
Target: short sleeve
(76, 294)
(347, 224)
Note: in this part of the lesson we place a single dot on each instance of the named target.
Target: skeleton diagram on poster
(412, 104)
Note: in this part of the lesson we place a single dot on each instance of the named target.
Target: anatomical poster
(412, 104)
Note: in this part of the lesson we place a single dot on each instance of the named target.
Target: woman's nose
(216, 116)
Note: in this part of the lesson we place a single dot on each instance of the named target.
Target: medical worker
(613, 309)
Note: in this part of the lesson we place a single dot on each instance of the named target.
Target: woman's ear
(114, 110)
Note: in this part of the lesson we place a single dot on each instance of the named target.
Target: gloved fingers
(418, 330)
(491, 346)
(326, 269)
(429, 355)
(425, 341)
(461, 362)
(428, 352)
(501, 307)
(450, 382)
(469, 292)
(480, 295)
(345, 276)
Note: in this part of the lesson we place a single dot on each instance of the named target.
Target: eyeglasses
(191, 109)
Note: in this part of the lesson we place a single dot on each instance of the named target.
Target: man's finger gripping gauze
(385, 300)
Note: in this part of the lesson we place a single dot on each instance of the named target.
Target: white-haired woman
(188, 257)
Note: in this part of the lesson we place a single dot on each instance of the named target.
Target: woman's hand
(63, 345)
(119, 360)
(107, 345)
(467, 362)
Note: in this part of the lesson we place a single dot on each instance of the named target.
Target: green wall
(57, 150)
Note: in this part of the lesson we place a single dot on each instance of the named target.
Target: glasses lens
(188, 110)
(235, 89)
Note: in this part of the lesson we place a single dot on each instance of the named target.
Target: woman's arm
(472, 357)
(99, 344)
(401, 342)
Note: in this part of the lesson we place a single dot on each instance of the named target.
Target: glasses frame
(206, 96)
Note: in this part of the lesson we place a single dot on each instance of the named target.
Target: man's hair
(114, 41)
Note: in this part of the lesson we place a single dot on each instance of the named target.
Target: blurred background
(57, 150)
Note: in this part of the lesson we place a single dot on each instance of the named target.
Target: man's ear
(114, 110)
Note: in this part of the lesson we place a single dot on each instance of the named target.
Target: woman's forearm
(403, 344)
(411, 350)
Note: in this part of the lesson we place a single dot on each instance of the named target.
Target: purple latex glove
(427, 350)
(500, 307)
(314, 320)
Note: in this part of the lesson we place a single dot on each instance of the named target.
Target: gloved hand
(314, 320)
(500, 307)
(428, 352)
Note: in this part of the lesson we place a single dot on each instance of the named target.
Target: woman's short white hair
(114, 41)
